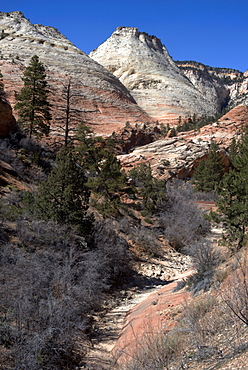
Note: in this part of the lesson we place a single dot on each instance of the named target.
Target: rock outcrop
(155, 313)
(178, 155)
(7, 120)
(101, 100)
(145, 67)
(223, 85)
(209, 82)
(129, 137)
(239, 92)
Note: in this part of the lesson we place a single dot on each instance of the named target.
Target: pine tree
(108, 185)
(64, 196)
(233, 201)
(151, 190)
(106, 178)
(209, 171)
(32, 103)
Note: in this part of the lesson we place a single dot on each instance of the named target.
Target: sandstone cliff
(178, 155)
(145, 67)
(226, 86)
(239, 92)
(208, 81)
(101, 98)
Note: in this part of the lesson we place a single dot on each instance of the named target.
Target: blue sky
(213, 32)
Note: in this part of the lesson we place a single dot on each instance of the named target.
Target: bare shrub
(44, 305)
(235, 294)
(156, 352)
(111, 251)
(205, 257)
(39, 233)
(43, 309)
(146, 239)
(188, 192)
(182, 221)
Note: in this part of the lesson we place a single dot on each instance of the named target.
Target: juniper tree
(209, 171)
(32, 102)
(108, 185)
(233, 201)
(64, 196)
(151, 190)
(106, 178)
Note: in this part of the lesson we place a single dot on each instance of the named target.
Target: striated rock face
(7, 120)
(144, 66)
(101, 98)
(177, 156)
(222, 85)
(209, 81)
(239, 92)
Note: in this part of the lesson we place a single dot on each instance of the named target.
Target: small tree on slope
(233, 202)
(32, 103)
(64, 196)
(209, 171)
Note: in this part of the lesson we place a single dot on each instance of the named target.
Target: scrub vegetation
(73, 224)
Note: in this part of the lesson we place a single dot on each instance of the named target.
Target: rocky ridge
(224, 85)
(102, 100)
(144, 66)
(177, 156)
(205, 80)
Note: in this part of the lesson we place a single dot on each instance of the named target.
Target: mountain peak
(102, 99)
(143, 64)
(152, 41)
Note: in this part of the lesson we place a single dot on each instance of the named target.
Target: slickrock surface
(7, 120)
(113, 335)
(178, 155)
(147, 318)
(101, 98)
(145, 67)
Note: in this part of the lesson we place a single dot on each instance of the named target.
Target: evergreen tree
(106, 178)
(151, 190)
(233, 201)
(91, 149)
(108, 184)
(64, 196)
(209, 171)
(32, 103)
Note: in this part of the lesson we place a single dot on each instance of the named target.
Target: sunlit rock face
(102, 100)
(224, 86)
(144, 66)
(177, 156)
(209, 81)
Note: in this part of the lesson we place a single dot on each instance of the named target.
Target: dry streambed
(164, 274)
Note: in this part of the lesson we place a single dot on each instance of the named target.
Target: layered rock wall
(228, 87)
(144, 66)
(101, 100)
(177, 156)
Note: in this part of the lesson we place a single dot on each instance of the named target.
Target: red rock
(147, 318)
(7, 120)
